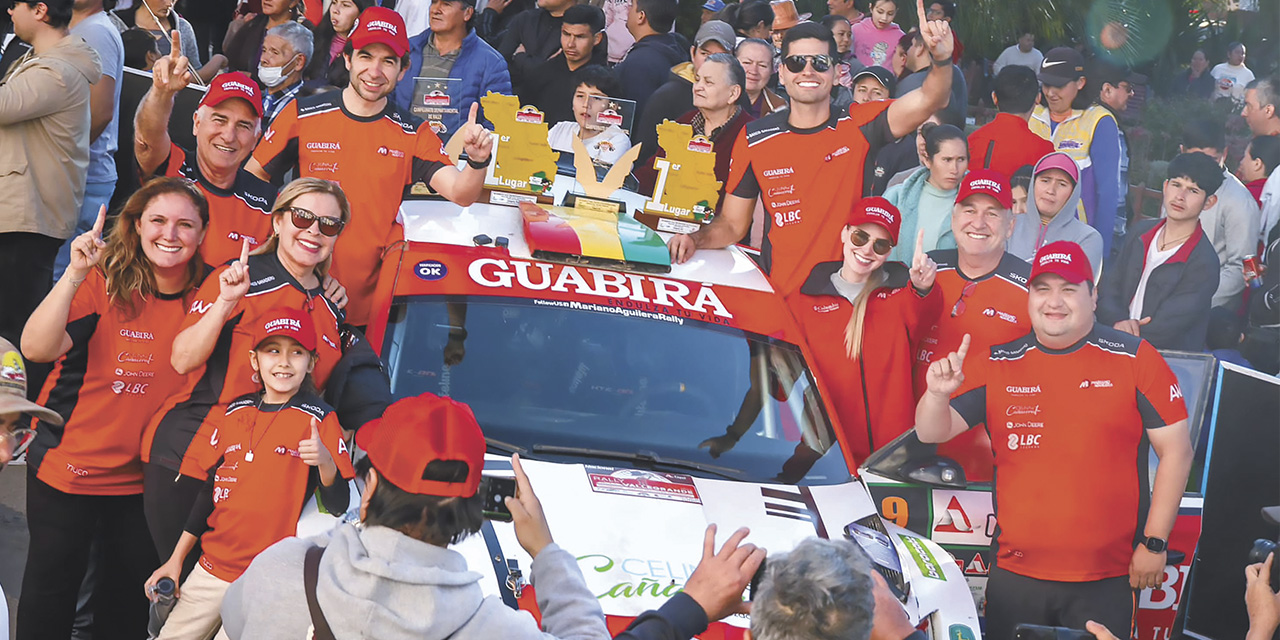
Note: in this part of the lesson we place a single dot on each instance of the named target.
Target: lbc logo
(1024, 441)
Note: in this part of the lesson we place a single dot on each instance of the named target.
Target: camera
(1263, 547)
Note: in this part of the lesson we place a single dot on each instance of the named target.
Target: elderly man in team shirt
(1072, 408)
(808, 163)
(360, 139)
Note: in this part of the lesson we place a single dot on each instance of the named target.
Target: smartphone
(494, 491)
(755, 581)
(1038, 632)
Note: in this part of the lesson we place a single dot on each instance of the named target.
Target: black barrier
(1243, 476)
(136, 85)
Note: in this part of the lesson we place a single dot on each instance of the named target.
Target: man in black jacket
(1161, 285)
(532, 38)
(551, 84)
(656, 50)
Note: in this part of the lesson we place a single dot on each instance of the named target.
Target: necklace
(1165, 243)
(248, 455)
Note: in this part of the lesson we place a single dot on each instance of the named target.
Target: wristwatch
(1155, 545)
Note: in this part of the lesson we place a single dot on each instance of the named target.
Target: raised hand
(234, 281)
(946, 375)
(937, 35)
(476, 140)
(718, 581)
(923, 268)
(171, 73)
(87, 248)
(532, 531)
(1133, 327)
(312, 450)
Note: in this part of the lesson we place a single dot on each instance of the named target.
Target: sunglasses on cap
(881, 246)
(820, 62)
(303, 219)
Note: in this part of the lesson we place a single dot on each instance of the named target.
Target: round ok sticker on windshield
(431, 270)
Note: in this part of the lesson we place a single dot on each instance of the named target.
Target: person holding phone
(396, 576)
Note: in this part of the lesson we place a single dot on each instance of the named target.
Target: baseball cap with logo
(883, 75)
(288, 322)
(1060, 66)
(421, 430)
(986, 182)
(13, 386)
(1062, 258)
(717, 31)
(380, 25)
(877, 210)
(233, 85)
(1062, 162)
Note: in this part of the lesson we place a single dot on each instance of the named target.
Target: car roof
(441, 222)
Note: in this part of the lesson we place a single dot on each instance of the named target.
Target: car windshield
(601, 385)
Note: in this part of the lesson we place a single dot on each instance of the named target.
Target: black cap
(1104, 72)
(879, 73)
(1061, 65)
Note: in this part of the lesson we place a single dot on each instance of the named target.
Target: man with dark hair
(1115, 85)
(1023, 53)
(809, 163)
(449, 48)
(605, 144)
(45, 121)
(396, 576)
(946, 10)
(1230, 223)
(675, 98)
(655, 52)
(848, 9)
(1007, 144)
(1260, 160)
(532, 38)
(581, 35)
(917, 68)
(1232, 76)
(1161, 284)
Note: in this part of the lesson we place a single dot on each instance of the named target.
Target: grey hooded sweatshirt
(379, 583)
(1029, 234)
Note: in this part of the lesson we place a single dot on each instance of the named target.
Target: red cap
(416, 431)
(233, 85)
(1059, 160)
(1063, 258)
(986, 182)
(288, 322)
(877, 210)
(380, 25)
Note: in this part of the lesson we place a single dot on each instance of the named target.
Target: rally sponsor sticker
(643, 484)
(923, 558)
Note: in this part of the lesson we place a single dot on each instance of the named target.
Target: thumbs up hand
(312, 450)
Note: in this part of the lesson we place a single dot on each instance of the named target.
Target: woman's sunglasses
(303, 219)
(881, 246)
(796, 63)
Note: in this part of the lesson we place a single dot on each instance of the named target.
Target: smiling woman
(108, 324)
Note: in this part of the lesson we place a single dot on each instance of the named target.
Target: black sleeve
(748, 187)
(679, 618)
(198, 521)
(1113, 297)
(424, 170)
(334, 499)
(878, 133)
(283, 163)
(972, 406)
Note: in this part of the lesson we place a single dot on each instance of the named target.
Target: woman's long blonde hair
(130, 275)
(288, 196)
(858, 319)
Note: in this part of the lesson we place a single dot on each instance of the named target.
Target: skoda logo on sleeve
(431, 270)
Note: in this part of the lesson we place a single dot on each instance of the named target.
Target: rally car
(616, 376)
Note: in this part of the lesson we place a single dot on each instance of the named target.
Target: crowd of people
(940, 272)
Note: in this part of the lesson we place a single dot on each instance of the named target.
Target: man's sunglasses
(881, 246)
(303, 219)
(820, 62)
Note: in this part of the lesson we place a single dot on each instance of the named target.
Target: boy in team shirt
(266, 456)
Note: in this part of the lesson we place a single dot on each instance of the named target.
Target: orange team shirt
(1006, 144)
(261, 483)
(808, 180)
(108, 384)
(1069, 432)
(373, 159)
(243, 211)
(227, 374)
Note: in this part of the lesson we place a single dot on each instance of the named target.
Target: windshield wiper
(647, 457)
(505, 447)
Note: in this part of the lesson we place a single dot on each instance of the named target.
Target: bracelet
(460, 334)
(479, 166)
(945, 62)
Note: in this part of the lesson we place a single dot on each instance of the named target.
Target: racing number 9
(895, 509)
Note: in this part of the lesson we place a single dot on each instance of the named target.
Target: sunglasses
(881, 246)
(17, 441)
(820, 62)
(967, 291)
(303, 219)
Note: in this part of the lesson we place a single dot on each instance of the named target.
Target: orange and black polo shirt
(106, 387)
(227, 374)
(1069, 431)
(260, 483)
(243, 211)
(373, 158)
(808, 180)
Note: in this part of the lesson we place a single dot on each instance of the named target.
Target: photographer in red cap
(844, 303)
(360, 138)
(395, 576)
(226, 127)
(984, 294)
(1072, 408)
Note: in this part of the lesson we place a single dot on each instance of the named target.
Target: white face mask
(273, 76)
